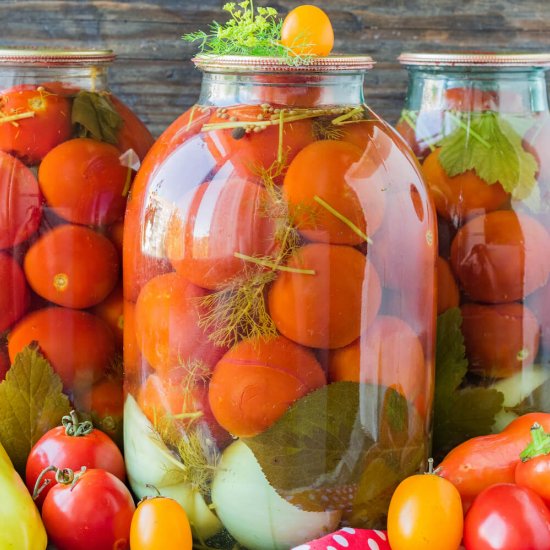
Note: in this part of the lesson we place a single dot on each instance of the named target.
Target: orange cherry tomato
(32, 138)
(116, 234)
(72, 266)
(20, 202)
(79, 345)
(84, 181)
(425, 513)
(307, 30)
(160, 523)
(14, 294)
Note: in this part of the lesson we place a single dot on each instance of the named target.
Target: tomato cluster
(494, 247)
(259, 268)
(62, 202)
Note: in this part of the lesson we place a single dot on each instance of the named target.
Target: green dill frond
(238, 310)
(324, 129)
(249, 31)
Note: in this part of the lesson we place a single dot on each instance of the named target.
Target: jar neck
(507, 90)
(285, 89)
(89, 77)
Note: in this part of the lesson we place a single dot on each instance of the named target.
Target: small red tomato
(534, 469)
(73, 446)
(33, 122)
(160, 523)
(20, 202)
(14, 294)
(90, 510)
(507, 517)
(307, 30)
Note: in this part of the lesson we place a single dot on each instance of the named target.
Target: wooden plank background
(153, 73)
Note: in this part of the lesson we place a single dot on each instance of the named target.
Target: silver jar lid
(474, 59)
(255, 64)
(52, 57)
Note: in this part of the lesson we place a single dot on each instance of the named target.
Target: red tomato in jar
(84, 181)
(59, 448)
(14, 294)
(93, 513)
(47, 122)
(507, 517)
(20, 202)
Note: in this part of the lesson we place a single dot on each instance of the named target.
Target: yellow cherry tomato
(160, 523)
(307, 30)
(425, 513)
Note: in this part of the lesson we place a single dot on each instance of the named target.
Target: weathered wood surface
(153, 73)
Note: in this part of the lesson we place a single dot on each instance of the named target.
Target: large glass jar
(68, 152)
(480, 125)
(279, 256)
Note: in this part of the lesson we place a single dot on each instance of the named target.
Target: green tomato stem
(539, 446)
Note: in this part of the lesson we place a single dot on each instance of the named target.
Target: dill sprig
(249, 31)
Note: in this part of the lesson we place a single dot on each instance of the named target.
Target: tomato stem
(18, 116)
(273, 265)
(42, 483)
(539, 446)
(342, 218)
(75, 428)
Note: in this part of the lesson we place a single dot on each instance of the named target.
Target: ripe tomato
(425, 513)
(78, 345)
(14, 295)
(20, 202)
(160, 523)
(32, 138)
(72, 266)
(447, 289)
(533, 471)
(307, 30)
(93, 513)
(110, 310)
(84, 181)
(62, 448)
(4, 362)
(507, 517)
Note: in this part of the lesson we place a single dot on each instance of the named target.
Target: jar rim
(53, 57)
(476, 59)
(259, 64)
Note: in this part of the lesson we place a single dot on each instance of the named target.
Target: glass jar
(480, 125)
(279, 257)
(68, 152)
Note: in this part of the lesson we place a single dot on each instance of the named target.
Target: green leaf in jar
(489, 145)
(96, 116)
(459, 412)
(316, 454)
(31, 403)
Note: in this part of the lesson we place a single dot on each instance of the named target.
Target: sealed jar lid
(52, 57)
(473, 59)
(256, 64)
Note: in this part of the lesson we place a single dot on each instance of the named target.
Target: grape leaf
(96, 116)
(459, 412)
(316, 454)
(489, 145)
(31, 403)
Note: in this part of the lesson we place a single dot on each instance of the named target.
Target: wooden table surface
(153, 73)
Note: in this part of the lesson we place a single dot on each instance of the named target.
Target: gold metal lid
(54, 57)
(474, 59)
(255, 64)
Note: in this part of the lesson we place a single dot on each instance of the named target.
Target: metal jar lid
(53, 57)
(475, 59)
(254, 64)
